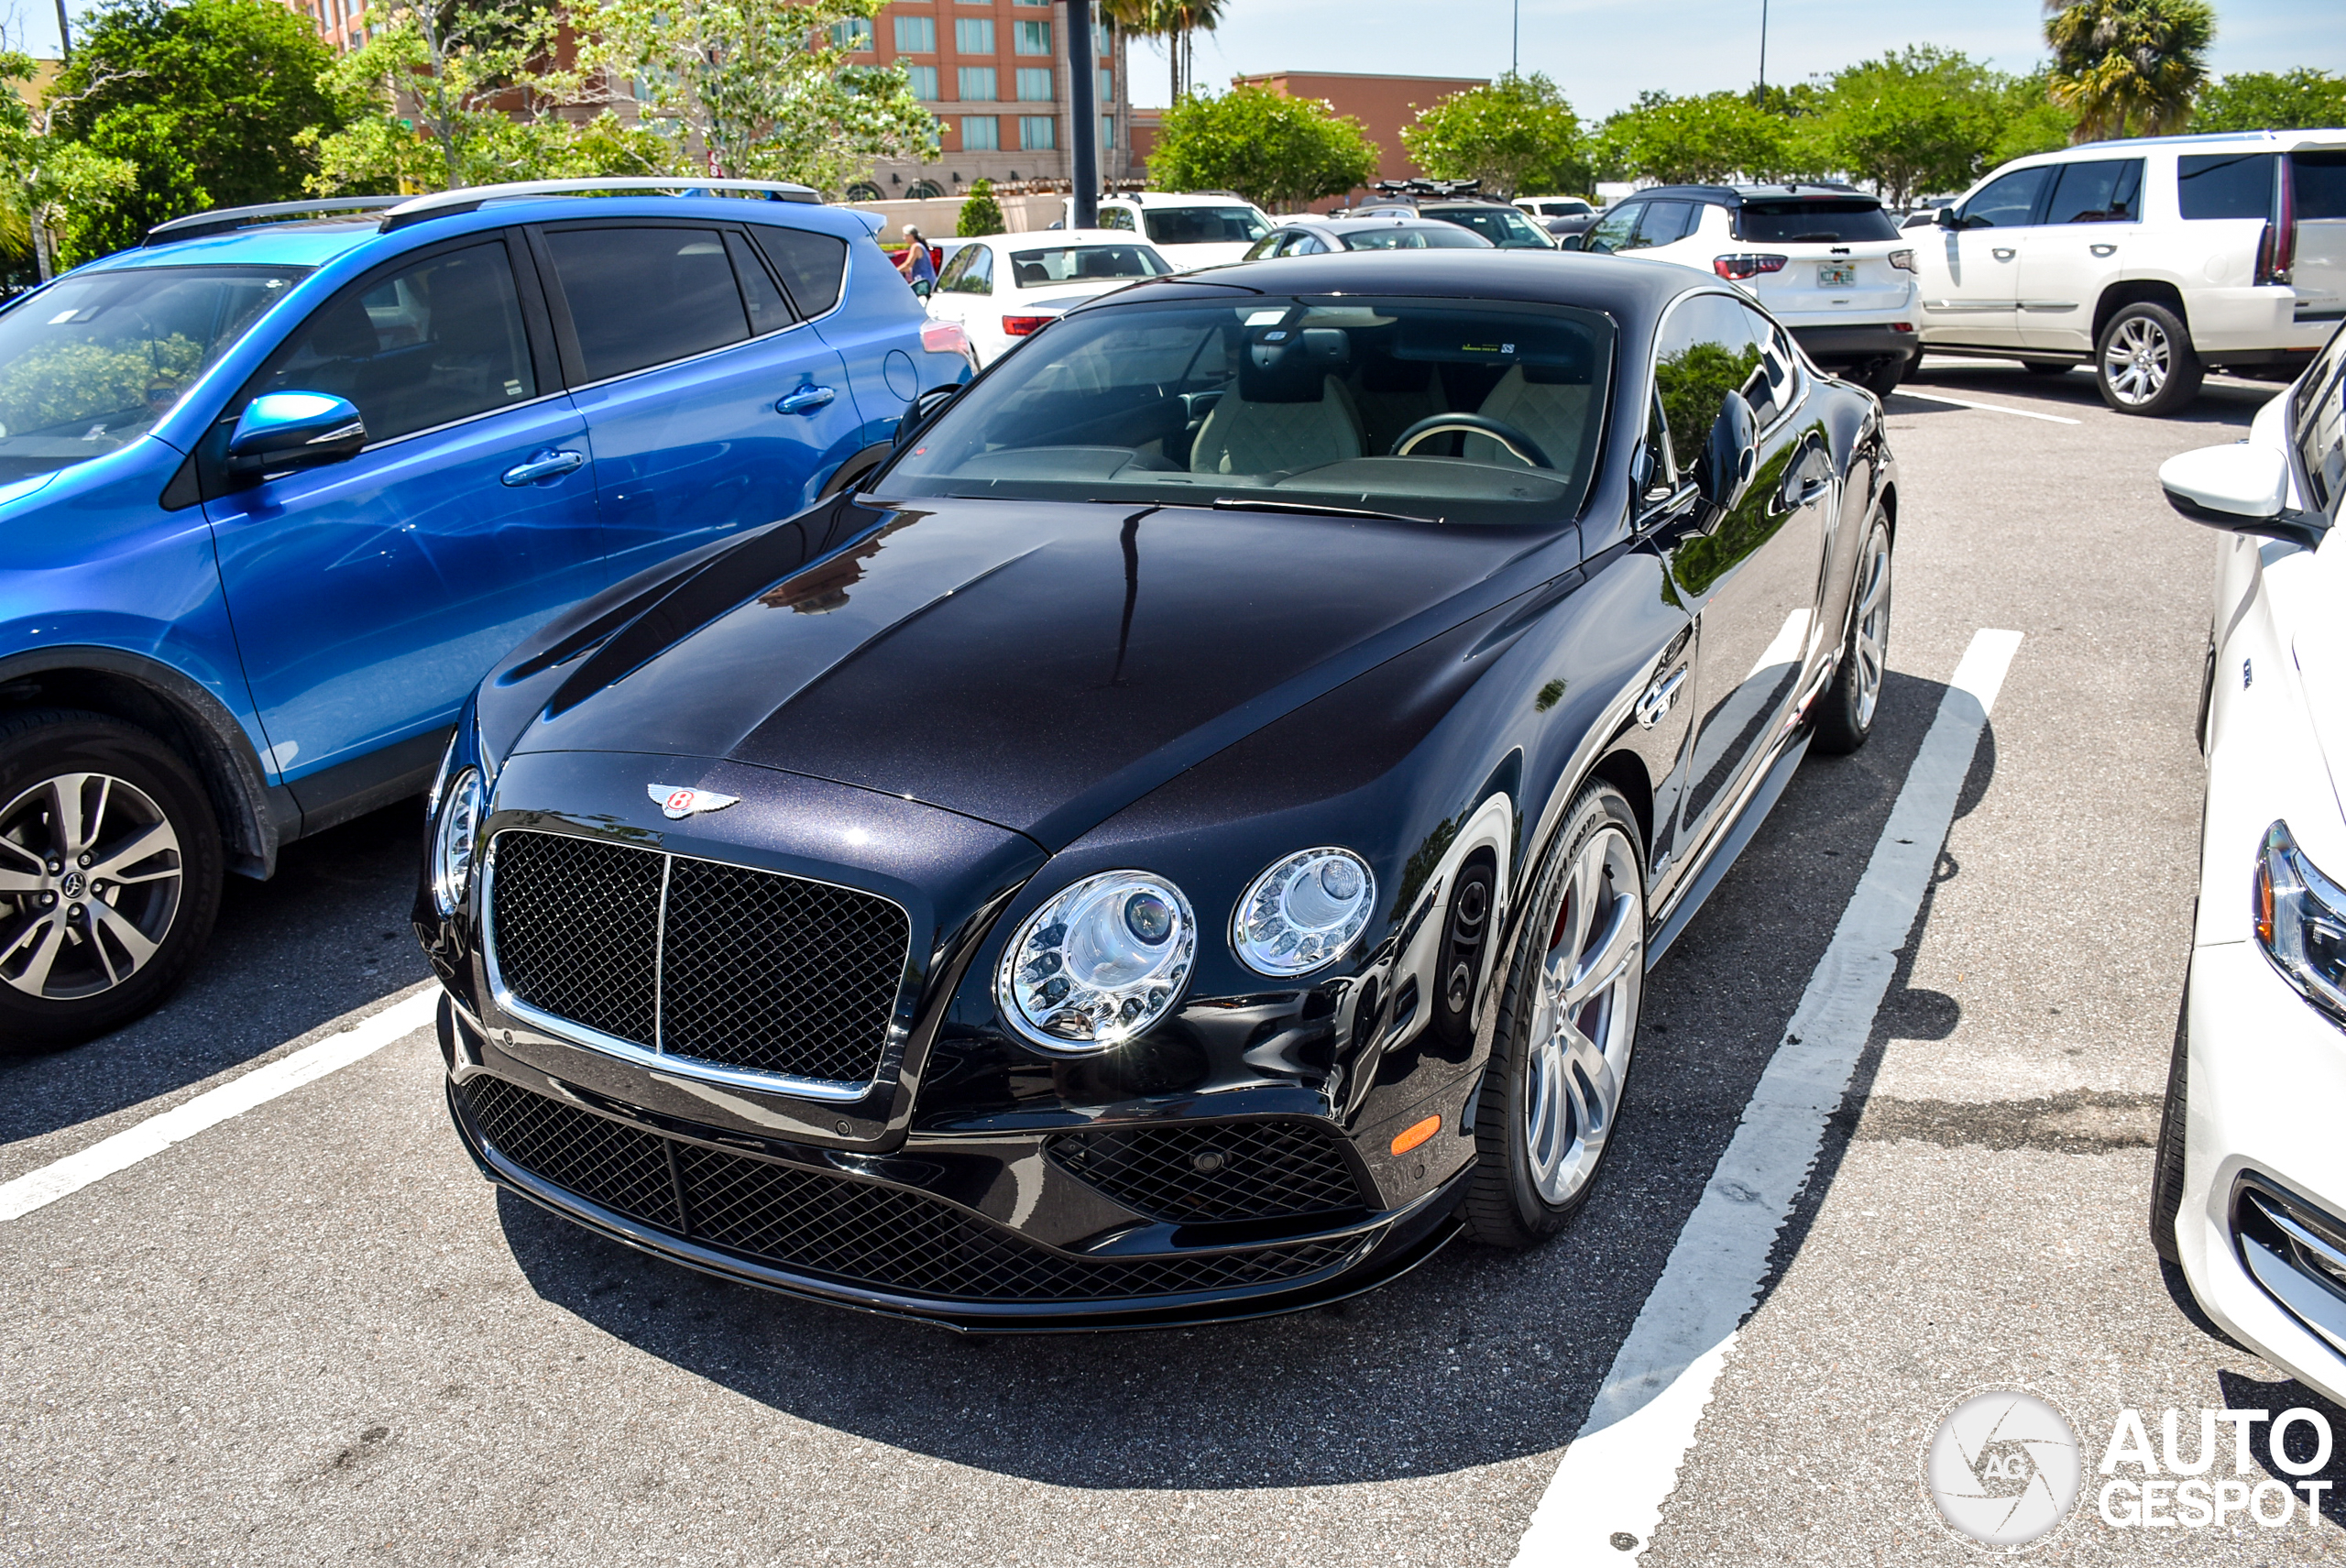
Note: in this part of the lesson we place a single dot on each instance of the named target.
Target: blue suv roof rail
(471, 198)
(222, 220)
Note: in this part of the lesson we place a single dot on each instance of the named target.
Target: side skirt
(1722, 860)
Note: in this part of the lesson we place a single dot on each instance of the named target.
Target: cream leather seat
(1241, 437)
(1552, 413)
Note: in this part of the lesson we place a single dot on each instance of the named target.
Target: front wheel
(2144, 363)
(1845, 710)
(1567, 1021)
(110, 867)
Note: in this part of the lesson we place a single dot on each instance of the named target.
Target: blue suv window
(811, 265)
(642, 296)
(88, 364)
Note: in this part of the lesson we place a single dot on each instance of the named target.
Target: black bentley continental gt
(1185, 836)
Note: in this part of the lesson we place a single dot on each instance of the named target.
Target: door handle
(1659, 697)
(2103, 249)
(2005, 252)
(804, 400)
(550, 465)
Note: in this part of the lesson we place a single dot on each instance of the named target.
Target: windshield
(1205, 225)
(1081, 263)
(2320, 432)
(1305, 402)
(1449, 236)
(90, 364)
(1503, 226)
(1813, 223)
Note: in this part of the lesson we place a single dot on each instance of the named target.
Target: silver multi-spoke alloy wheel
(2136, 360)
(89, 882)
(1869, 639)
(1584, 1017)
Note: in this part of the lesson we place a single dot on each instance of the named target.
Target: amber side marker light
(1417, 1134)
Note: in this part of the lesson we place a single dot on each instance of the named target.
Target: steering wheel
(1507, 435)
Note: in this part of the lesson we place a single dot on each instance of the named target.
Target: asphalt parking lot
(310, 1334)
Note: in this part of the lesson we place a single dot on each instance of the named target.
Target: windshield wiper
(1236, 503)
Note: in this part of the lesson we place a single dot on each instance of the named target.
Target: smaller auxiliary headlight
(1303, 911)
(453, 836)
(1099, 962)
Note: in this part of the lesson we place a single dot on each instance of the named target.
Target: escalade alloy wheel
(2145, 364)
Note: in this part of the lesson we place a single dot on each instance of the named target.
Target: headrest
(1284, 364)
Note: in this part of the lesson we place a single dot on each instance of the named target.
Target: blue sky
(1602, 54)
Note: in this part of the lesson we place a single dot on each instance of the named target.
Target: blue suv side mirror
(294, 430)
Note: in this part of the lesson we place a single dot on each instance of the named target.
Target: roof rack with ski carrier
(400, 211)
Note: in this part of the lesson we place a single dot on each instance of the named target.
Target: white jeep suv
(1825, 260)
(2152, 260)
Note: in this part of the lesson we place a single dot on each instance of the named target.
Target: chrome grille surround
(594, 947)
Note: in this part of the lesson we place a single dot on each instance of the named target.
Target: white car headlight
(452, 839)
(1098, 963)
(2300, 918)
(1303, 911)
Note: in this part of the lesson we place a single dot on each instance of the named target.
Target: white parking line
(1606, 1496)
(1991, 408)
(351, 1043)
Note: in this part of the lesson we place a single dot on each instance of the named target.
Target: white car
(2152, 260)
(1191, 230)
(2249, 1186)
(1007, 286)
(1825, 260)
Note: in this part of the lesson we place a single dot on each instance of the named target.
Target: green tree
(1517, 135)
(1920, 119)
(2129, 67)
(2298, 100)
(2028, 120)
(43, 176)
(1277, 151)
(206, 100)
(757, 89)
(1717, 137)
(981, 214)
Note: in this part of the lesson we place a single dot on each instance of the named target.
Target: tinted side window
(970, 273)
(2008, 203)
(1664, 222)
(2226, 185)
(435, 342)
(812, 265)
(2107, 191)
(1771, 387)
(640, 297)
(1708, 347)
(769, 312)
(2320, 430)
(2320, 184)
(1613, 231)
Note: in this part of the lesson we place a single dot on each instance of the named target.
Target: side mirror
(2242, 488)
(1944, 218)
(926, 407)
(1730, 455)
(294, 430)
(1571, 242)
(922, 289)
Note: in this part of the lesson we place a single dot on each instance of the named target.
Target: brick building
(1383, 104)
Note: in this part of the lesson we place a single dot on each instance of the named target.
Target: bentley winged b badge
(676, 803)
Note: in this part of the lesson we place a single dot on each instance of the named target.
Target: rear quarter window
(2320, 184)
(812, 265)
(2225, 185)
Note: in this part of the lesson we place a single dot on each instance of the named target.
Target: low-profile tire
(110, 868)
(2144, 361)
(1882, 376)
(2167, 1157)
(1845, 710)
(1567, 1023)
(2047, 368)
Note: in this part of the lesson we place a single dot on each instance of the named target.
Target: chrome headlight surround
(1304, 912)
(455, 833)
(2299, 918)
(1102, 960)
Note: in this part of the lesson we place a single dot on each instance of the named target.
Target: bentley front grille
(694, 958)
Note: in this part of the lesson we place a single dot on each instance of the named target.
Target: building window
(1036, 133)
(1107, 86)
(980, 133)
(1107, 130)
(922, 190)
(1034, 85)
(921, 81)
(1103, 42)
(1033, 37)
(916, 34)
(973, 35)
(977, 85)
(853, 35)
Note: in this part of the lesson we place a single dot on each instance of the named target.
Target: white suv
(1825, 260)
(2152, 260)
(1189, 229)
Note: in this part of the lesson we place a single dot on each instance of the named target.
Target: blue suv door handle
(804, 400)
(548, 465)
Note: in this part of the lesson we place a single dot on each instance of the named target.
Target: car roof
(2203, 141)
(1736, 195)
(1180, 198)
(1350, 220)
(1047, 237)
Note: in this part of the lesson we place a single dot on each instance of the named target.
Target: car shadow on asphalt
(328, 934)
(1479, 1357)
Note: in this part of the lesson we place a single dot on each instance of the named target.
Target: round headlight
(1303, 911)
(1098, 963)
(452, 840)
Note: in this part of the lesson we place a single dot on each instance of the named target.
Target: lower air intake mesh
(1235, 1170)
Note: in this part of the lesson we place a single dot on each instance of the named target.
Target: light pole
(1514, 48)
(1763, 51)
(1083, 102)
(64, 33)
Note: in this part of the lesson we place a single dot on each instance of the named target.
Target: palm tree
(1175, 22)
(2128, 67)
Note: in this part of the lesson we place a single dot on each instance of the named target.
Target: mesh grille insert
(813, 1223)
(1238, 1171)
(577, 928)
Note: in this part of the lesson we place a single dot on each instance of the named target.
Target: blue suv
(278, 487)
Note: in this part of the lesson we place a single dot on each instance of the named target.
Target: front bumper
(2266, 1084)
(906, 1233)
(1843, 345)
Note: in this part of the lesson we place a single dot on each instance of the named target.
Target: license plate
(1835, 274)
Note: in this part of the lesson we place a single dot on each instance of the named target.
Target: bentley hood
(1034, 666)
